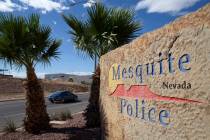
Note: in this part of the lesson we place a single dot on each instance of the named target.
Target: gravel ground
(74, 129)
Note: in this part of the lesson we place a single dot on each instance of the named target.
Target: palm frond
(23, 41)
(51, 52)
(104, 30)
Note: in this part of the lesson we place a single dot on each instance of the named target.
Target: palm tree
(24, 43)
(104, 30)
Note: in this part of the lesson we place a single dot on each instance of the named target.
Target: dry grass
(62, 116)
(10, 126)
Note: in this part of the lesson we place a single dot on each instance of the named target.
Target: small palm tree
(104, 30)
(25, 43)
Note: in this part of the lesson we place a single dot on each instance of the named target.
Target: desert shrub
(54, 117)
(65, 115)
(62, 116)
(71, 80)
(10, 126)
(85, 83)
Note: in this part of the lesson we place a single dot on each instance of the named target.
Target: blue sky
(151, 13)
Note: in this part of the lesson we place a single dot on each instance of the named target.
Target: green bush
(10, 126)
(85, 83)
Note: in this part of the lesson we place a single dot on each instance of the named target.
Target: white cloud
(22, 74)
(43, 11)
(8, 6)
(45, 5)
(81, 73)
(18, 74)
(164, 6)
(41, 75)
(89, 3)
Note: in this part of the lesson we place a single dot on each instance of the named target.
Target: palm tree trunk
(92, 112)
(95, 61)
(36, 118)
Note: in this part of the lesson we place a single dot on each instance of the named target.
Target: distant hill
(69, 78)
(15, 85)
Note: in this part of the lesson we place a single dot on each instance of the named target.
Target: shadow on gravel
(75, 133)
(74, 129)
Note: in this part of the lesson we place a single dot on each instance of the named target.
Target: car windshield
(55, 94)
(65, 93)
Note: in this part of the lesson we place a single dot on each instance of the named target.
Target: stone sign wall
(158, 86)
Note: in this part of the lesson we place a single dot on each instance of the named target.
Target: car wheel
(63, 101)
(51, 101)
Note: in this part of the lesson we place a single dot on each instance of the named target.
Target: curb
(78, 113)
(11, 100)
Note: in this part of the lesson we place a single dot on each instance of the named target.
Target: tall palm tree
(24, 43)
(104, 30)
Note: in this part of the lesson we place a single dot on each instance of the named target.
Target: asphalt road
(15, 110)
